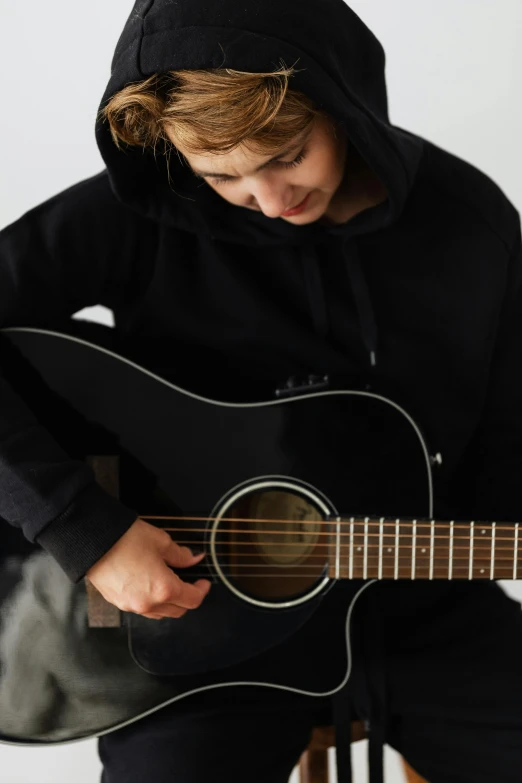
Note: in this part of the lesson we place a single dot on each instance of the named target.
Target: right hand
(134, 575)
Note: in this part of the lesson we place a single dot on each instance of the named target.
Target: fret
(492, 569)
(365, 566)
(397, 531)
(515, 553)
(422, 550)
(338, 549)
(432, 542)
(352, 520)
(360, 541)
(471, 534)
(381, 534)
(388, 548)
(450, 564)
(413, 548)
(481, 554)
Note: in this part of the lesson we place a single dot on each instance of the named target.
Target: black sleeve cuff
(86, 530)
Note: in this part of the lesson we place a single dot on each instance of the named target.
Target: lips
(298, 208)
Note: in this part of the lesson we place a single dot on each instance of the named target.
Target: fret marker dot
(481, 570)
(389, 549)
(423, 551)
(483, 532)
(359, 548)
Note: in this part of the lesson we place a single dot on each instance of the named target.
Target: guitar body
(319, 455)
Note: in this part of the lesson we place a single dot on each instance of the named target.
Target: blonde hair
(210, 111)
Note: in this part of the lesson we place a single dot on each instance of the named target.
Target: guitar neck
(423, 549)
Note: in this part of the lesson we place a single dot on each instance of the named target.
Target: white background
(454, 77)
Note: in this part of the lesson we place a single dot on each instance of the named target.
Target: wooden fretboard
(423, 549)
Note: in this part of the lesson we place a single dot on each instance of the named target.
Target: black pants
(453, 674)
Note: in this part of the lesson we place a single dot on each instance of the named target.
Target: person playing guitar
(262, 230)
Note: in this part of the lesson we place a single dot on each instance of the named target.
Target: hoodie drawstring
(317, 299)
(372, 688)
(342, 718)
(374, 665)
(315, 290)
(362, 298)
(364, 697)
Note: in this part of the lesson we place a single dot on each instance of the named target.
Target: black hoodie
(419, 297)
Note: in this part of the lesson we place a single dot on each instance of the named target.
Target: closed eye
(286, 164)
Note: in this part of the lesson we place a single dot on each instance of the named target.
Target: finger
(189, 596)
(204, 585)
(181, 556)
(177, 610)
(167, 610)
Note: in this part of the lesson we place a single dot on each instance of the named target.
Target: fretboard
(422, 549)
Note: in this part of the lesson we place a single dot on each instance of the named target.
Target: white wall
(454, 76)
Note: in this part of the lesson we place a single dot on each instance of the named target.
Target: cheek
(335, 167)
(326, 166)
(327, 171)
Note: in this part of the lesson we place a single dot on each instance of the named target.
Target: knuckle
(163, 593)
(140, 606)
(165, 540)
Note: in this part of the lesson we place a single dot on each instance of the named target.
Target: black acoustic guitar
(291, 499)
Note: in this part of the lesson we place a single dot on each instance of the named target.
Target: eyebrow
(293, 146)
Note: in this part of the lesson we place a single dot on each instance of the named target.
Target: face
(298, 185)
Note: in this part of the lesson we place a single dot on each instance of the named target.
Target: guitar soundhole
(272, 545)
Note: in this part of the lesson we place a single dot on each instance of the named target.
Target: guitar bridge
(310, 384)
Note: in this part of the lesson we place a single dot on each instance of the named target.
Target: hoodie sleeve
(493, 474)
(70, 252)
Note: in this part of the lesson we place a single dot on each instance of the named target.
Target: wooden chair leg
(100, 613)
(411, 775)
(313, 767)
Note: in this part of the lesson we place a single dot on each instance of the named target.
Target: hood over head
(341, 66)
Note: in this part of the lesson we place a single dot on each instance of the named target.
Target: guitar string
(388, 560)
(358, 521)
(358, 574)
(238, 531)
(387, 555)
(358, 537)
(389, 545)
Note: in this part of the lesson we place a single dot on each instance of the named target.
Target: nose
(272, 198)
